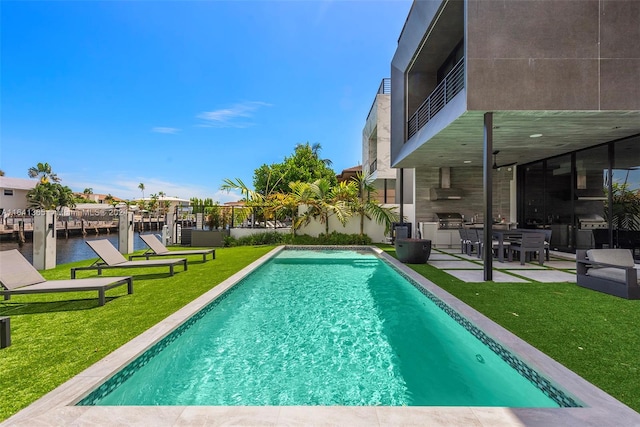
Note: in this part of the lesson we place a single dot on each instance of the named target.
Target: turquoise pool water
(325, 328)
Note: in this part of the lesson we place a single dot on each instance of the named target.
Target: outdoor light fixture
(467, 161)
(535, 135)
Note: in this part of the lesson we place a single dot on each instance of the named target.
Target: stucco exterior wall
(371, 228)
(13, 203)
(376, 138)
(17, 202)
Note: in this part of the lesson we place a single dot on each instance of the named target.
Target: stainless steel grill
(591, 221)
(449, 220)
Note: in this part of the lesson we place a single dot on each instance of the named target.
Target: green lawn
(56, 336)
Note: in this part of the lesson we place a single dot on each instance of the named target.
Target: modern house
(524, 113)
(376, 155)
(168, 203)
(99, 198)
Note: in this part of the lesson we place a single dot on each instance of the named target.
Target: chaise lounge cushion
(609, 273)
(621, 257)
(17, 271)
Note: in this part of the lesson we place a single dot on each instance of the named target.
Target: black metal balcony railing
(384, 89)
(452, 84)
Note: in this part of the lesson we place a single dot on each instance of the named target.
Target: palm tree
(365, 207)
(43, 170)
(87, 191)
(50, 196)
(48, 193)
(141, 187)
(250, 196)
(315, 151)
(64, 196)
(322, 202)
(41, 197)
(1, 172)
(163, 204)
(153, 203)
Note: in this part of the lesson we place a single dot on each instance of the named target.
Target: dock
(21, 229)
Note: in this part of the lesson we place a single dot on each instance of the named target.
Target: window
(8, 192)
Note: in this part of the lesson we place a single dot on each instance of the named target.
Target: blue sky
(180, 95)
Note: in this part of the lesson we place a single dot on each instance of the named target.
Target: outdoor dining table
(500, 235)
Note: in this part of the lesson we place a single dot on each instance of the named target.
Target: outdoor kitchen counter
(440, 238)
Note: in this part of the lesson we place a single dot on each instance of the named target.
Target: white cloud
(228, 117)
(165, 130)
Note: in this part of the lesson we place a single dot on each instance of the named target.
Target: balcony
(448, 88)
(384, 89)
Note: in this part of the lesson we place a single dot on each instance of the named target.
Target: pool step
(365, 262)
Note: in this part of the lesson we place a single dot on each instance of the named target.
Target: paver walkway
(560, 268)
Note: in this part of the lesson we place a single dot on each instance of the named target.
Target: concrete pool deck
(57, 407)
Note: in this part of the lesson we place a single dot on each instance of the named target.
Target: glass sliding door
(625, 192)
(559, 203)
(588, 198)
(591, 190)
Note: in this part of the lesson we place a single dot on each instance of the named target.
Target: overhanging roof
(562, 132)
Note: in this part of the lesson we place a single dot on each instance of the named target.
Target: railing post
(446, 80)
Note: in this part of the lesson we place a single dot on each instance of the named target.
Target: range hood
(445, 192)
(590, 195)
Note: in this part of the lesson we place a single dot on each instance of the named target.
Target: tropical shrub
(274, 238)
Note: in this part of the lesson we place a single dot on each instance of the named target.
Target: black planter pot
(413, 251)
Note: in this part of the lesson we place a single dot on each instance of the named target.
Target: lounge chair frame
(110, 258)
(157, 249)
(530, 243)
(36, 284)
(629, 289)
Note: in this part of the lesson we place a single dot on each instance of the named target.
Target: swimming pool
(328, 328)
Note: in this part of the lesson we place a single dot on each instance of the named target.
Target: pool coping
(57, 407)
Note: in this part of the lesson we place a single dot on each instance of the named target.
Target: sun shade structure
(18, 276)
(156, 248)
(111, 258)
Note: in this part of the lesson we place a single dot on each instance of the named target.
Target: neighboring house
(98, 198)
(169, 204)
(347, 174)
(553, 85)
(13, 195)
(376, 155)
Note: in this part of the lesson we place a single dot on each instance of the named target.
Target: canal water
(74, 248)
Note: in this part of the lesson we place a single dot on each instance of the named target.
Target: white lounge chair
(111, 258)
(156, 248)
(18, 276)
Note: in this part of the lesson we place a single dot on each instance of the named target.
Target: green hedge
(275, 238)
